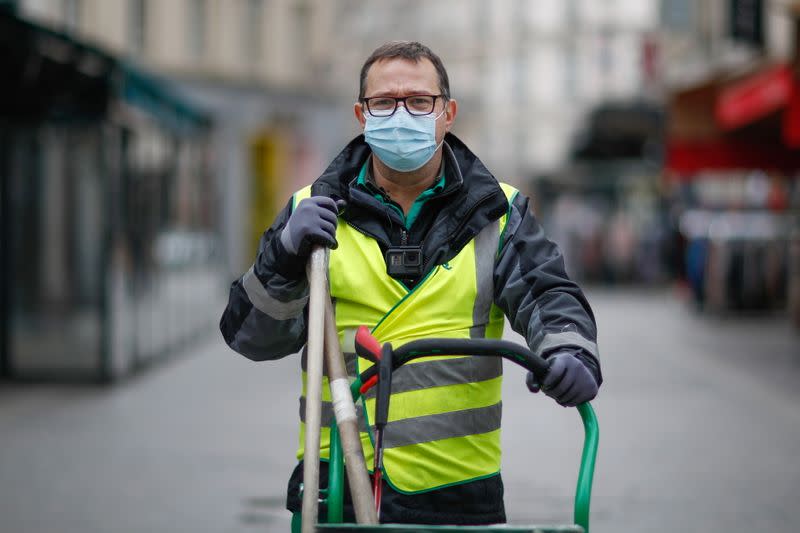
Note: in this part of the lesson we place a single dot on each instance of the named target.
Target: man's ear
(450, 112)
(358, 111)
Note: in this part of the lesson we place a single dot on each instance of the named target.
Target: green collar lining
(366, 181)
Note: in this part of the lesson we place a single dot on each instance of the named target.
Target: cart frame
(333, 496)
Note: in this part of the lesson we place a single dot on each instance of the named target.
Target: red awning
(702, 139)
(754, 98)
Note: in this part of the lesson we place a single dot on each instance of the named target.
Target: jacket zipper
(404, 232)
(467, 216)
(464, 220)
(368, 234)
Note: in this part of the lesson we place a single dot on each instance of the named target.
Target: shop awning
(160, 99)
(50, 75)
(754, 98)
(745, 122)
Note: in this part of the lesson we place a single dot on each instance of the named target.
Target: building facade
(526, 71)
(107, 212)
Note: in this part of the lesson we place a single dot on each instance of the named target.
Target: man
(426, 243)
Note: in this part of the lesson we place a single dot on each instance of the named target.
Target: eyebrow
(410, 93)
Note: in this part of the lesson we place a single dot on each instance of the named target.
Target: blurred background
(145, 146)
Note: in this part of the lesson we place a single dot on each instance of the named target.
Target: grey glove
(568, 381)
(312, 222)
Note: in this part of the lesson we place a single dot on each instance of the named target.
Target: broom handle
(317, 272)
(347, 421)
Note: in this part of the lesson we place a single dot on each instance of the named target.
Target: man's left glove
(568, 381)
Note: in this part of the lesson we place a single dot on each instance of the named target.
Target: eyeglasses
(415, 104)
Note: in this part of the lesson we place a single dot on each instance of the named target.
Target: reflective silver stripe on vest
(442, 426)
(349, 363)
(443, 372)
(326, 415)
(268, 305)
(486, 244)
(565, 339)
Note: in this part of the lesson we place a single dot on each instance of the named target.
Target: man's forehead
(393, 74)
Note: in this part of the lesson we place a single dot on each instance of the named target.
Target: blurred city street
(700, 431)
(152, 153)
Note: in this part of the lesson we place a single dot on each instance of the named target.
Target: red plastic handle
(367, 347)
(371, 382)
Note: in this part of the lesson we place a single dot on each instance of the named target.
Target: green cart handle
(583, 489)
(479, 347)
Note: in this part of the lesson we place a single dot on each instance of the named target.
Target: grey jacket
(266, 313)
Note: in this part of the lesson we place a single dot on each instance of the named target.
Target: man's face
(402, 77)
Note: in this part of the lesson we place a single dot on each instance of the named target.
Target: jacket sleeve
(533, 290)
(266, 313)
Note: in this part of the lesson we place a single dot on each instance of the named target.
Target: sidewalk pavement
(699, 424)
(191, 445)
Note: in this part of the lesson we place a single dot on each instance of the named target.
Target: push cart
(379, 375)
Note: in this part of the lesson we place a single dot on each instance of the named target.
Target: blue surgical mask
(403, 142)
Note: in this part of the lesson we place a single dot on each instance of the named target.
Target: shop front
(107, 235)
(732, 167)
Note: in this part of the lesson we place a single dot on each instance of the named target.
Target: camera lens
(412, 258)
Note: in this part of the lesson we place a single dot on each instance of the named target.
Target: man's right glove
(312, 222)
(568, 381)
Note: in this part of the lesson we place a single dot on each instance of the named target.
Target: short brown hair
(411, 50)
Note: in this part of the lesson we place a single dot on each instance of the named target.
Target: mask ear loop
(434, 121)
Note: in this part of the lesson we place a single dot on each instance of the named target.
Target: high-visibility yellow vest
(445, 412)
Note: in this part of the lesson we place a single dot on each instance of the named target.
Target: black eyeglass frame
(397, 100)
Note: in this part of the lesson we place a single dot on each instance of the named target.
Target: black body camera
(404, 262)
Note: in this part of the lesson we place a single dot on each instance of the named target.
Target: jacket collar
(475, 198)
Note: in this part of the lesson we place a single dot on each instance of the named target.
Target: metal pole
(5, 248)
(317, 272)
(347, 422)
